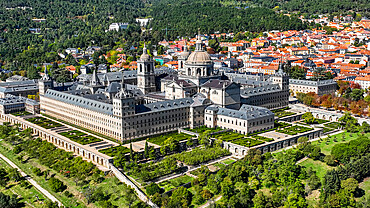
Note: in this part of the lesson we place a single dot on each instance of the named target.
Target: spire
(185, 46)
(46, 75)
(144, 49)
(198, 44)
(122, 81)
(94, 79)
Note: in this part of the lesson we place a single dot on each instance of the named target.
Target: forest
(80, 24)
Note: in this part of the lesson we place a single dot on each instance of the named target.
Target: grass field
(175, 182)
(159, 140)
(316, 165)
(228, 161)
(327, 144)
(30, 196)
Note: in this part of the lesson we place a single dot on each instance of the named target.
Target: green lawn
(282, 114)
(175, 182)
(159, 140)
(28, 194)
(293, 130)
(114, 151)
(228, 161)
(333, 125)
(316, 165)
(327, 144)
(44, 122)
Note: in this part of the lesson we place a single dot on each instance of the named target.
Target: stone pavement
(33, 182)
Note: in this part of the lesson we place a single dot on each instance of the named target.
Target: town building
(320, 87)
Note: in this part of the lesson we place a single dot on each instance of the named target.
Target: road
(33, 182)
(210, 201)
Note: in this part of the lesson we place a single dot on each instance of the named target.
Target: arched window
(189, 71)
(141, 68)
(199, 71)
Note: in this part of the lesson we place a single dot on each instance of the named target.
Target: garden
(44, 122)
(21, 113)
(175, 182)
(115, 151)
(203, 129)
(229, 136)
(293, 130)
(247, 142)
(201, 155)
(80, 137)
(333, 125)
(73, 181)
(144, 172)
(263, 138)
(160, 140)
(280, 113)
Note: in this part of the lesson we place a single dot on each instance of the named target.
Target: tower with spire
(123, 102)
(282, 79)
(45, 83)
(145, 73)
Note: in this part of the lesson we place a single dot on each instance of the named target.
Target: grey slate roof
(164, 105)
(80, 101)
(246, 112)
(312, 83)
(259, 90)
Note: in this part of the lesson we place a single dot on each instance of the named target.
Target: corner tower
(45, 83)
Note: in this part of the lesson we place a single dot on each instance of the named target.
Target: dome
(145, 57)
(199, 57)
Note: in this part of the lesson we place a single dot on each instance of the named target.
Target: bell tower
(145, 73)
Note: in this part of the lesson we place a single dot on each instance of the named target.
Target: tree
(357, 94)
(32, 73)
(130, 197)
(180, 196)
(152, 189)
(295, 201)
(56, 185)
(297, 73)
(9, 201)
(14, 174)
(349, 185)
(49, 204)
(203, 138)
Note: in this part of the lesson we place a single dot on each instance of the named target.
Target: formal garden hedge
(115, 151)
(229, 136)
(80, 137)
(21, 113)
(203, 129)
(263, 138)
(201, 155)
(293, 130)
(160, 140)
(333, 125)
(247, 142)
(44, 122)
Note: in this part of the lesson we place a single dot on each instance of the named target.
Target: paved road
(33, 182)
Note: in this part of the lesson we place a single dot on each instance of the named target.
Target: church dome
(199, 57)
(145, 56)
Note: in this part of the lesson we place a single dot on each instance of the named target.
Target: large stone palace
(133, 104)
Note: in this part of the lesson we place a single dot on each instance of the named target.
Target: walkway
(210, 201)
(191, 169)
(33, 182)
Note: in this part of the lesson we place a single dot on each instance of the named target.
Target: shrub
(152, 188)
(36, 171)
(56, 185)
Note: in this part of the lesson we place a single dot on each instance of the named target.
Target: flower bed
(293, 130)
(159, 140)
(115, 151)
(44, 122)
(80, 137)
